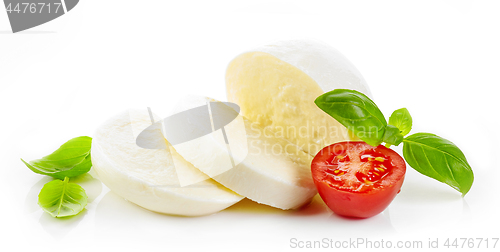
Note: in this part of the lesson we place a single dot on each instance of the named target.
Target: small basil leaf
(356, 112)
(401, 118)
(70, 160)
(62, 199)
(440, 159)
(392, 135)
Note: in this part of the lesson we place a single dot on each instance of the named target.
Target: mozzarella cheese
(276, 85)
(267, 168)
(264, 155)
(149, 177)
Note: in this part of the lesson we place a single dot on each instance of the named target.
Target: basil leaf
(401, 118)
(70, 160)
(356, 112)
(62, 199)
(392, 135)
(440, 159)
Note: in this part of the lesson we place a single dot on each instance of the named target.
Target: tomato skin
(352, 203)
(358, 205)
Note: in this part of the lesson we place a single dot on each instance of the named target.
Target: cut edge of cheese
(276, 86)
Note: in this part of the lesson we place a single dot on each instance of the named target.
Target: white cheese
(267, 169)
(276, 85)
(149, 177)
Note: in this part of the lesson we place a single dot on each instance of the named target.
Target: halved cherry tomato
(356, 179)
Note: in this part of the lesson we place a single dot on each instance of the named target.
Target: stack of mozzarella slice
(247, 159)
(148, 177)
(263, 154)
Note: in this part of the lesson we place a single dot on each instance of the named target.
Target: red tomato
(356, 179)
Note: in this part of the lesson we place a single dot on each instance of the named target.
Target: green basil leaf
(401, 118)
(392, 135)
(356, 112)
(62, 199)
(70, 160)
(440, 159)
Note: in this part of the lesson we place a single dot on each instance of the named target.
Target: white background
(439, 59)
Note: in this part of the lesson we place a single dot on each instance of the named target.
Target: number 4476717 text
(34, 8)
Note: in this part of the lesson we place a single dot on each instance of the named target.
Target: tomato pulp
(356, 179)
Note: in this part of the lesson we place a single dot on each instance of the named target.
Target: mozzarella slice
(253, 162)
(149, 177)
(276, 85)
